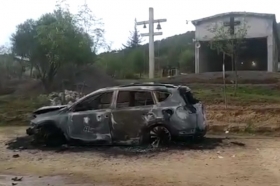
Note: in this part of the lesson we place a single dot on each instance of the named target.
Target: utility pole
(151, 35)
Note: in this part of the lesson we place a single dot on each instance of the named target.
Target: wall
(275, 53)
(203, 62)
(258, 27)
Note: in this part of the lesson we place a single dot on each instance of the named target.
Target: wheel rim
(159, 135)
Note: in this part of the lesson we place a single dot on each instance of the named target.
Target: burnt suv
(128, 114)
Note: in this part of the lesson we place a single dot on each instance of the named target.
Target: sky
(118, 15)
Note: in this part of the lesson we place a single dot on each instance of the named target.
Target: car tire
(51, 136)
(157, 135)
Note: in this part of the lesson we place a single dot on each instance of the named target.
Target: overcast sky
(118, 15)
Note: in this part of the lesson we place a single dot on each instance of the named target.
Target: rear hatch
(195, 106)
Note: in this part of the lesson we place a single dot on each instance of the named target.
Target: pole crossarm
(155, 34)
(155, 21)
(142, 23)
(160, 20)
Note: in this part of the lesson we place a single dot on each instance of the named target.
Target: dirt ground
(218, 160)
(262, 114)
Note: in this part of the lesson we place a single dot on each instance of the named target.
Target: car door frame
(103, 116)
(142, 110)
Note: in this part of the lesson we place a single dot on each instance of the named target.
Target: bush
(17, 110)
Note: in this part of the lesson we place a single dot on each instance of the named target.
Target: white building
(261, 27)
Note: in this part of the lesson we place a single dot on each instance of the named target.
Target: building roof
(205, 19)
(253, 14)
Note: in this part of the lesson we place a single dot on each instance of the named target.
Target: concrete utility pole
(151, 35)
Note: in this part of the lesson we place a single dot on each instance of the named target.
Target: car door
(128, 115)
(89, 119)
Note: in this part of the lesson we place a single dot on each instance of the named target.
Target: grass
(244, 95)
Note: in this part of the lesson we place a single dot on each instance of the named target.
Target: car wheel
(159, 136)
(51, 136)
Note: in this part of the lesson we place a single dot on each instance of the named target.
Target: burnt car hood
(46, 111)
(50, 113)
(45, 116)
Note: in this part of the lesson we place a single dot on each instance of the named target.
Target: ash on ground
(209, 143)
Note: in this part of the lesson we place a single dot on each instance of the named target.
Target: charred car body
(128, 114)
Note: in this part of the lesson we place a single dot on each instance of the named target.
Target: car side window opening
(162, 96)
(134, 99)
(101, 101)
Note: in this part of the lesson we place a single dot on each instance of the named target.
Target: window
(134, 99)
(96, 102)
(162, 96)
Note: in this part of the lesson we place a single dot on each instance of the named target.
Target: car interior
(134, 99)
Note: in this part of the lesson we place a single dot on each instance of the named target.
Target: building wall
(257, 27)
(275, 52)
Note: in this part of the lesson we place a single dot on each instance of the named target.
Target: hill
(173, 52)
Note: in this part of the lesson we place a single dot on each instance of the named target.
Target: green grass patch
(244, 94)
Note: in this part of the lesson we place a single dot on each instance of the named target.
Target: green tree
(186, 61)
(138, 60)
(229, 42)
(173, 57)
(93, 26)
(113, 63)
(168, 55)
(25, 43)
(9, 68)
(56, 40)
(135, 39)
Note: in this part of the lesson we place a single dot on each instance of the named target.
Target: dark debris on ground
(25, 143)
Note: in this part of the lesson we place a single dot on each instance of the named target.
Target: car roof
(150, 86)
(142, 86)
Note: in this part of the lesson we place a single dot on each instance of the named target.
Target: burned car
(139, 113)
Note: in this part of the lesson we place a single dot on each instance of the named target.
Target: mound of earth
(257, 115)
(244, 77)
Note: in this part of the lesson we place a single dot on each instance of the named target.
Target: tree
(169, 55)
(9, 67)
(54, 41)
(113, 63)
(173, 57)
(135, 38)
(5, 50)
(137, 57)
(23, 42)
(93, 27)
(229, 42)
(186, 61)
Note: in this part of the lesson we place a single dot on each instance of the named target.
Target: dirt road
(232, 161)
